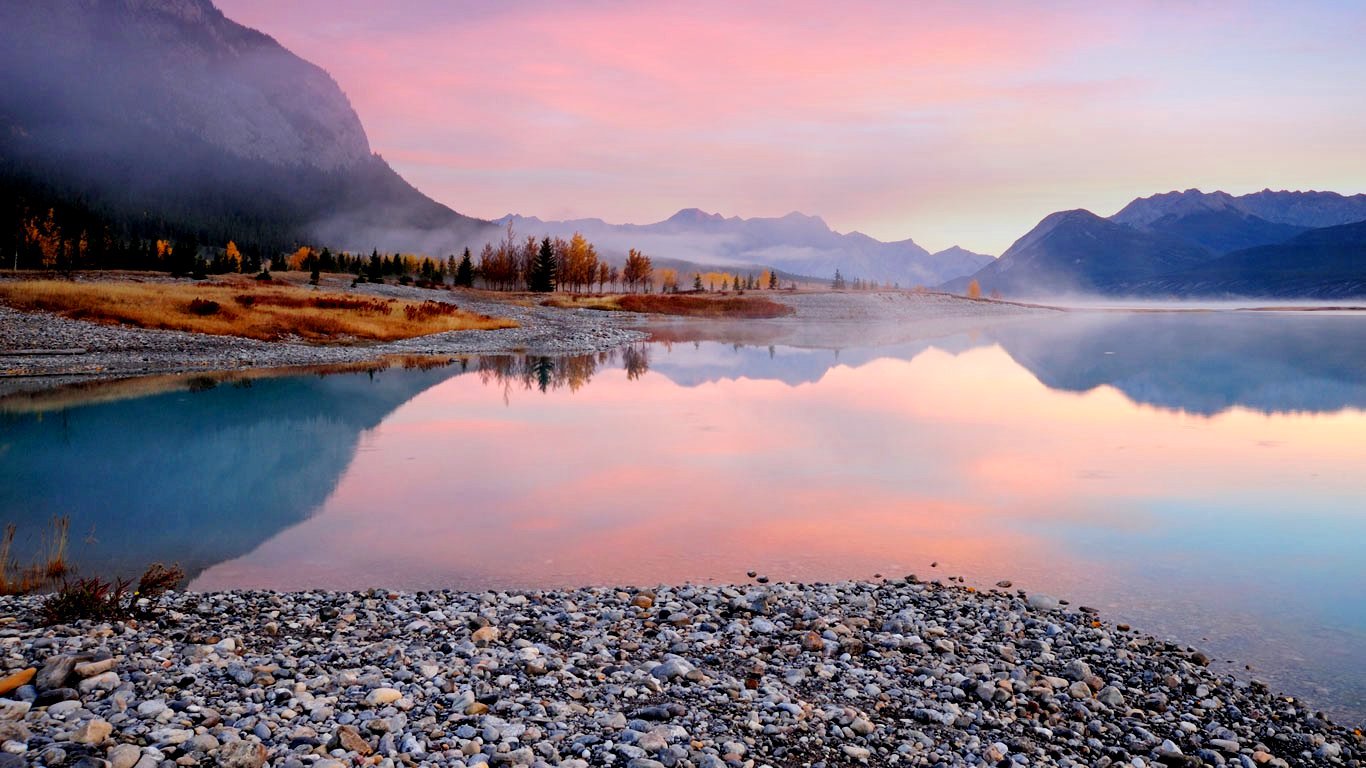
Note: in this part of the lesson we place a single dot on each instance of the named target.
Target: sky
(946, 122)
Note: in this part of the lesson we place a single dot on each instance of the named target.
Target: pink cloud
(944, 121)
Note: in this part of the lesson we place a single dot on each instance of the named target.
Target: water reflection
(1230, 511)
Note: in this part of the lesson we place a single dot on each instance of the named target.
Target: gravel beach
(40, 351)
(858, 673)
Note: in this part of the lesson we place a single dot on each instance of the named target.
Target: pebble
(902, 673)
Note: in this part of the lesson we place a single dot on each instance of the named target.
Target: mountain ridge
(793, 244)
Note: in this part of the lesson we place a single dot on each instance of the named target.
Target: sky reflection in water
(1223, 525)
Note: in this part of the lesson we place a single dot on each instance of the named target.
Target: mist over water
(1195, 475)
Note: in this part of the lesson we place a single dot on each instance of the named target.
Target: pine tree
(697, 281)
(772, 280)
(838, 283)
(464, 274)
(542, 278)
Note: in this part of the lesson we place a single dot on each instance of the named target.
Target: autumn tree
(638, 271)
(668, 280)
(974, 289)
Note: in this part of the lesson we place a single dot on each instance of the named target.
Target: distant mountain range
(1187, 244)
(794, 244)
(166, 111)
(168, 119)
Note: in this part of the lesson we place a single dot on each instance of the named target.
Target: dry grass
(723, 307)
(244, 307)
(48, 561)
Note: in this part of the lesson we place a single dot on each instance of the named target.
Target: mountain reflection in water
(1197, 475)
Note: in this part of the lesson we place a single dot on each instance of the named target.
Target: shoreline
(901, 672)
(40, 351)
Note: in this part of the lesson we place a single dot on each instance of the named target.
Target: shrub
(94, 599)
(204, 307)
(264, 276)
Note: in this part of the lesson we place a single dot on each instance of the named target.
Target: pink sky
(951, 123)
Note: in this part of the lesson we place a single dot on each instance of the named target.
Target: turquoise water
(1196, 475)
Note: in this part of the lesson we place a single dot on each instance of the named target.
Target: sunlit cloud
(947, 122)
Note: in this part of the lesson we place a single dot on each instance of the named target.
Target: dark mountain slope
(1328, 263)
(167, 110)
(1078, 251)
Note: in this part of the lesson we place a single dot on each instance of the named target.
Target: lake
(1198, 475)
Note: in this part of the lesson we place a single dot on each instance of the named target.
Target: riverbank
(41, 350)
(857, 673)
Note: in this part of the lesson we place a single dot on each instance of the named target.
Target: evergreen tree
(697, 281)
(773, 280)
(464, 274)
(838, 283)
(542, 278)
(376, 271)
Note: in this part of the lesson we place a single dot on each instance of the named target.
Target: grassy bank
(737, 307)
(268, 311)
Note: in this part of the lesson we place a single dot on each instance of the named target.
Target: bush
(264, 276)
(94, 599)
(204, 307)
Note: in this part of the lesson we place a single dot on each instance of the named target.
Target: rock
(485, 635)
(382, 696)
(1040, 602)
(1077, 670)
(671, 669)
(54, 695)
(349, 739)
(55, 672)
(123, 756)
(151, 708)
(763, 626)
(1111, 696)
(813, 642)
(13, 710)
(105, 681)
(643, 601)
(242, 754)
(92, 732)
(861, 726)
(92, 668)
(14, 681)
(1079, 690)
(856, 752)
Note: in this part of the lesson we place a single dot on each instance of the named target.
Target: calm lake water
(1201, 476)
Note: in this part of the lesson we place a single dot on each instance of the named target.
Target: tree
(376, 269)
(838, 283)
(638, 271)
(464, 273)
(604, 274)
(697, 281)
(773, 281)
(974, 289)
(543, 270)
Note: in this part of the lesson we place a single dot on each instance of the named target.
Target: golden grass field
(739, 307)
(241, 306)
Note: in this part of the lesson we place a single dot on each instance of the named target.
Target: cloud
(947, 122)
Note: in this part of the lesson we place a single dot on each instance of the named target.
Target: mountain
(1216, 221)
(1078, 251)
(794, 244)
(166, 110)
(1305, 209)
(1327, 263)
